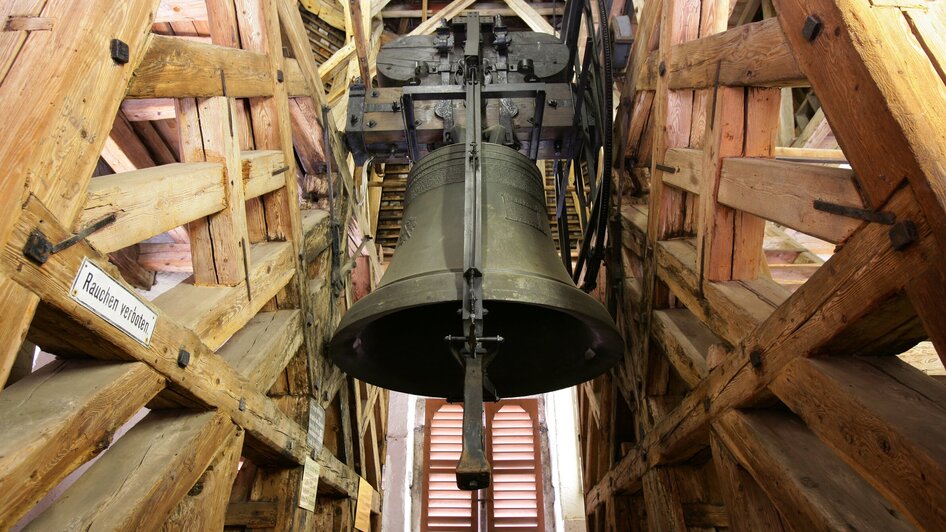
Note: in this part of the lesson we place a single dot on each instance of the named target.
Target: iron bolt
(812, 28)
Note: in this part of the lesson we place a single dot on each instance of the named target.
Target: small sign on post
(316, 432)
(363, 507)
(97, 291)
(310, 484)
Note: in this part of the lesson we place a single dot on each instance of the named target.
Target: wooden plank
(176, 68)
(785, 193)
(890, 430)
(810, 486)
(216, 313)
(206, 505)
(339, 58)
(58, 418)
(262, 348)
(60, 130)
(748, 506)
(143, 476)
(207, 380)
(151, 201)
(530, 16)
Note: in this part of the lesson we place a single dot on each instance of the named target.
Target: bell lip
(446, 287)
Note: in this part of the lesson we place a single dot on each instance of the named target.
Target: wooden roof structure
(765, 388)
(777, 254)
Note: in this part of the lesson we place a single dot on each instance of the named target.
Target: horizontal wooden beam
(215, 313)
(181, 11)
(60, 417)
(685, 342)
(140, 479)
(206, 380)
(894, 439)
(151, 201)
(786, 192)
(812, 488)
(262, 348)
(251, 514)
(178, 68)
(754, 55)
(781, 191)
(452, 9)
(262, 171)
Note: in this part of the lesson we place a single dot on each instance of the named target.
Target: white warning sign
(97, 291)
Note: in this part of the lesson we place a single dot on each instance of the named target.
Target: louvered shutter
(516, 490)
(445, 506)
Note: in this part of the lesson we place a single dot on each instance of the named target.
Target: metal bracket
(38, 248)
(879, 217)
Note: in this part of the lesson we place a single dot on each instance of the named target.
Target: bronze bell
(554, 335)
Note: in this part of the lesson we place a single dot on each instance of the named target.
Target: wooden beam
(181, 11)
(60, 417)
(903, 109)
(785, 193)
(685, 341)
(339, 59)
(484, 9)
(207, 380)
(151, 201)
(124, 150)
(261, 349)
(756, 54)
(530, 16)
(43, 140)
(893, 439)
(358, 36)
(748, 506)
(263, 172)
(20, 304)
(215, 313)
(452, 9)
(177, 68)
(662, 499)
(252, 514)
(206, 505)
(141, 478)
(810, 486)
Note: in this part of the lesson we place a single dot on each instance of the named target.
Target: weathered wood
(207, 379)
(748, 506)
(151, 201)
(44, 140)
(216, 313)
(178, 68)
(141, 478)
(206, 505)
(756, 54)
(261, 349)
(664, 507)
(890, 430)
(58, 418)
(811, 487)
(685, 341)
(785, 193)
(253, 514)
(19, 304)
(262, 171)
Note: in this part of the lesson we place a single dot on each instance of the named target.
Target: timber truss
(741, 402)
(235, 359)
